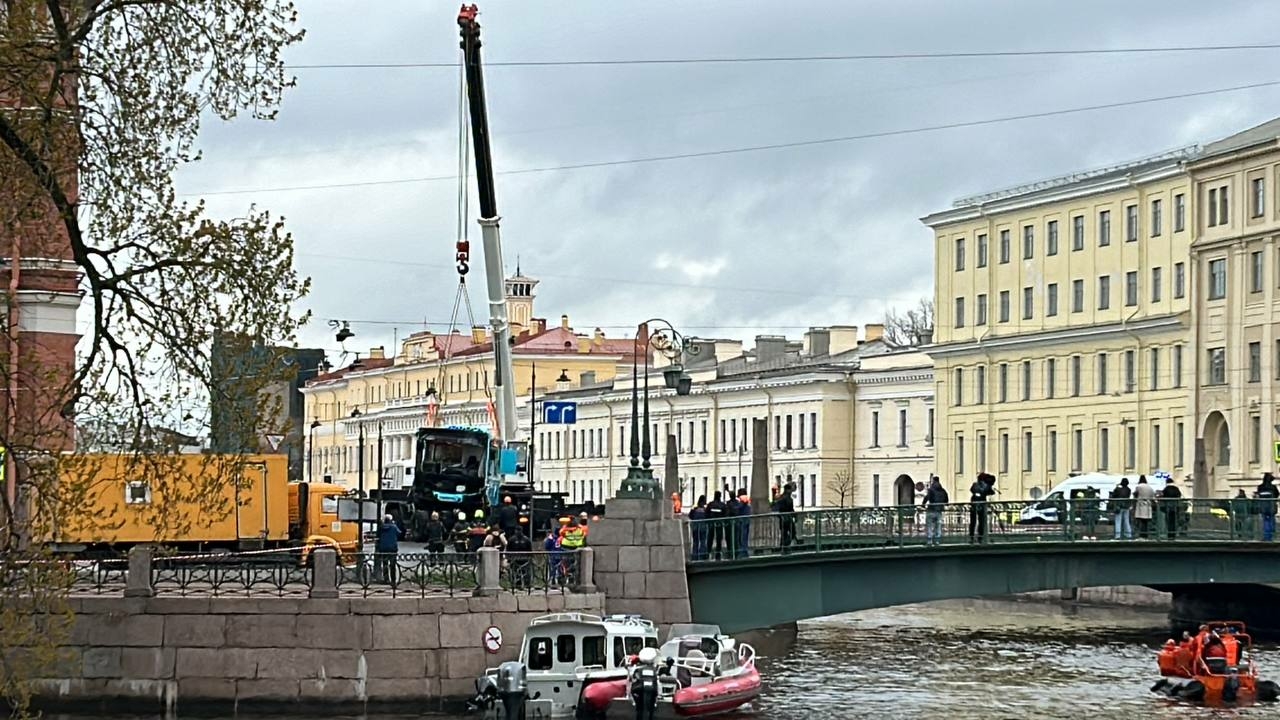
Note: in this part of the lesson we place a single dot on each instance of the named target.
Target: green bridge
(773, 569)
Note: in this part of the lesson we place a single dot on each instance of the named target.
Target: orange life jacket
(676, 505)
(1231, 646)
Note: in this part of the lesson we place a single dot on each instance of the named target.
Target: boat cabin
(569, 644)
(702, 653)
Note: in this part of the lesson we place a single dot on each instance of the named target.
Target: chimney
(875, 331)
(817, 342)
(564, 322)
(599, 338)
(924, 337)
(584, 345)
(587, 378)
(539, 325)
(378, 353)
(842, 338)
(770, 347)
(477, 335)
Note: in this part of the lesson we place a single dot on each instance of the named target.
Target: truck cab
(314, 522)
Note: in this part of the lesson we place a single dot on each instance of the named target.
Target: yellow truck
(193, 503)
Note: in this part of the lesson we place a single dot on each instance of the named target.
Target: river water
(976, 660)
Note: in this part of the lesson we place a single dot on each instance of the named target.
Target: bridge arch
(904, 490)
(768, 591)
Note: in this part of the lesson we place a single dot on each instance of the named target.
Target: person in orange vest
(1230, 647)
(676, 506)
(1199, 641)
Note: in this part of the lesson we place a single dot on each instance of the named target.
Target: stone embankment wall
(1134, 596)
(234, 654)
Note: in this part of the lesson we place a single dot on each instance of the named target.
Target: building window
(1277, 360)
(788, 434)
(1102, 374)
(980, 451)
(1077, 296)
(1104, 292)
(1004, 306)
(1026, 379)
(958, 394)
(1004, 247)
(981, 385)
(1130, 370)
(1075, 376)
(1179, 212)
(1130, 447)
(875, 428)
(1131, 223)
(1104, 448)
(1155, 446)
(1051, 239)
(959, 254)
(1259, 197)
(1131, 288)
(1177, 366)
(1154, 371)
(1028, 242)
(1217, 366)
(902, 428)
(1051, 300)
(1178, 435)
(1218, 279)
(704, 436)
(928, 439)
(982, 250)
(1077, 449)
(959, 312)
(1104, 228)
(800, 431)
(1050, 377)
(980, 310)
(1026, 451)
(1156, 218)
(959, 453)
(1218, 214)
(1051, 450)
(1157, 280)
(1224, 446)
(1004, 452)
(1255, 439)
(1004, 382)
(1255, 271)
(1077, 232)
(1255, 362)
(1028, 300)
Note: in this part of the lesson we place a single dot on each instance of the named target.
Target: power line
(759, 148)
(795, 58)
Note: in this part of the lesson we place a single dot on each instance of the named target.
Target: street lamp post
(359, 474)
(311, 448)
(639, 482)
(381, 472)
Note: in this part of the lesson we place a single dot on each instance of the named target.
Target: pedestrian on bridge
(716, 513)
(785, 508)
(1144, 505)
(744, 524)
(1171, 505)
(698, 528)
(1267, 494)
(935, 502)
(979, 491)
(1118, 502)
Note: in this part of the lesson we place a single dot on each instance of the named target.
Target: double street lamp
(639, 482)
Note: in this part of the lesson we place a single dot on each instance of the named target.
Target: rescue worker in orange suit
(676, 505)
(1231, 648)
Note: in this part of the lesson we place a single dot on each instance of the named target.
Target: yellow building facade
(446, 379)
(1236, 316)
(1062, 338)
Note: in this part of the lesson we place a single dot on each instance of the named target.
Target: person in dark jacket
(785, 508)
(508, 516)
(1171, 506)
(716, 515)
(434, 534)
(731, 508)
(979, 491)
(935, 502)
(460, 535)
(1118, 504)
(385, 549)
(698, 528)
(744, 524)
(519, 549)
(1266, 495)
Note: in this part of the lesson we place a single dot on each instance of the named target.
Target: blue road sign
(559, 413)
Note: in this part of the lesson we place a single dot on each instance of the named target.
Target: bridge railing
(1077, 520)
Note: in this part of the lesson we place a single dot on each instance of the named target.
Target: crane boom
(507, 430)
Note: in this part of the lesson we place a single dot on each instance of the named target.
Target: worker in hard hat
(475, 536)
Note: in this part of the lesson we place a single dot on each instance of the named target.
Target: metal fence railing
(409, 574)
(213, 576)
(1079, 520)
(540, 571)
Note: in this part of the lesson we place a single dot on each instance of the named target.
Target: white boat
(561, 654)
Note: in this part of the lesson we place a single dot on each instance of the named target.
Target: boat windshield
(679, 630)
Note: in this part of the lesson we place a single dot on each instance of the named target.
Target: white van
(1045, 510)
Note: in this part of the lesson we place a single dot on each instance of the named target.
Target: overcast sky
(729, 246)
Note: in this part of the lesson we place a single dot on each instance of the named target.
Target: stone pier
(640, 561)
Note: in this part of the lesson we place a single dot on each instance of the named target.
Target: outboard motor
(512, 688)
(644, 684)
(486, 694)
(1231, 688)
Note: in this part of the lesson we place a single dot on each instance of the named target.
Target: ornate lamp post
(639, 482)
(360, 471)
(311, 448)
